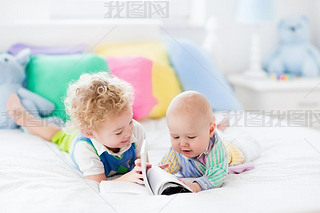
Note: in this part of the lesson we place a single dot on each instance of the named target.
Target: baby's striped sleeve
(216, 167)
(171, 159)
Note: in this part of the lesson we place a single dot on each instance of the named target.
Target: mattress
(35, 176)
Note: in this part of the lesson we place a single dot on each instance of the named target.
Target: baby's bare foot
(223, 124)
(15, 109)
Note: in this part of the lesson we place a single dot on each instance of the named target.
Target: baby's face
(190, 134)
(116, 132)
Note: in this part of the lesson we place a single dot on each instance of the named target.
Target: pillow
(155, 51)
(138, 72)
(49, 76)
(35, 50)
(165, 86)
(196, 71)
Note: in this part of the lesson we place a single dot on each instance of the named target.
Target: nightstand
(295, 102)
(268, 94)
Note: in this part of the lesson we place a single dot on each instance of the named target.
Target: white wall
(16, 10)
(234, 38)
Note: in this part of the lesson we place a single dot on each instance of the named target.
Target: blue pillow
(196, 71)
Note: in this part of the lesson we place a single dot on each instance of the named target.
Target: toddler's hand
(135, 175)
(138, 163)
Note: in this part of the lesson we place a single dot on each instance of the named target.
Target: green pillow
(49, 75)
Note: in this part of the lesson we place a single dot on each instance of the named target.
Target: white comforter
(36, 177)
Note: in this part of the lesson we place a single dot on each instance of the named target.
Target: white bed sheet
(36, 177)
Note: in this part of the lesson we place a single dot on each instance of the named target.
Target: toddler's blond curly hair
(94, 98)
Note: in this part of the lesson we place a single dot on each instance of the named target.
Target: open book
(157, 181)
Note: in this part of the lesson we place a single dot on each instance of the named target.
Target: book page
(159, 180)
(144, 166)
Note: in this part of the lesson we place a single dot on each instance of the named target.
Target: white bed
(36, 177)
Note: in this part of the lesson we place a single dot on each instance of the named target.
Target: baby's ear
(212, 128)
(87, 133)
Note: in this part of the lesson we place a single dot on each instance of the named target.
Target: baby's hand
(164, 166)
(224, 124)
(195, 187)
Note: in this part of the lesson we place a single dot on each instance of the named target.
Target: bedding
(165, 84)
(153, 50)
(196, 71)
(49, 75)
(138, 72)
(36, 177)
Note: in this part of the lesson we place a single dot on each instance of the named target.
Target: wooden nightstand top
(272, 85)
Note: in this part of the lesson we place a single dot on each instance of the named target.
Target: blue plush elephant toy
(12, 71)
(295, 55)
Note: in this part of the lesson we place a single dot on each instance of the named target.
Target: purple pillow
(36, 50)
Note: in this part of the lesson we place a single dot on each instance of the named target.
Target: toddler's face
(116, 132)
(190, 135)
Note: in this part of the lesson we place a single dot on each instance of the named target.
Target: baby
(106, 140)
(197, 150)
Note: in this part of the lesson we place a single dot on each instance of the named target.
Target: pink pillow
(138, 72)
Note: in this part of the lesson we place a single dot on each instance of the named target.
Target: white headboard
(51, 33)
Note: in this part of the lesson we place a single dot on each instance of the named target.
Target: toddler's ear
(87, 133)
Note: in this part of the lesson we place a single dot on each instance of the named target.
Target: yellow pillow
(155, 51)
(165, 86)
